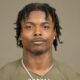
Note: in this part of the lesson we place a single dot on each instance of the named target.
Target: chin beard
(38, 53)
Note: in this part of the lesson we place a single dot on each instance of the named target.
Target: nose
(37, 31)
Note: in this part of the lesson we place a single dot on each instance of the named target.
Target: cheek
(50, 37)
(50, 40)
(25, 41)
(26, 38)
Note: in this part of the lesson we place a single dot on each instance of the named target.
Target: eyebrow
(45, 22)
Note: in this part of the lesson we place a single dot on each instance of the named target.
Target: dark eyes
(46, 26)
(28, 26)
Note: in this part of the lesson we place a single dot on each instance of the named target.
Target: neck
(37, 64)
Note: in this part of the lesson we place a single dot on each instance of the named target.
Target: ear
(20, 38)
(55, 33)
(54, 38)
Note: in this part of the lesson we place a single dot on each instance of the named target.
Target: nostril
(37, 34)
(37, 31)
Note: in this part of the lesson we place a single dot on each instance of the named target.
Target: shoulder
(67, 71)
(11, 65)
(9, 69)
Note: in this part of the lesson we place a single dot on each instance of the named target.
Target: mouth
(39, 41)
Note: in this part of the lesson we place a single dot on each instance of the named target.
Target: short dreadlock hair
(24, 13)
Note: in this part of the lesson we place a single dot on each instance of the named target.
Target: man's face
(37, 32)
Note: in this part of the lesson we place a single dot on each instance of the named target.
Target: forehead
(38, 16)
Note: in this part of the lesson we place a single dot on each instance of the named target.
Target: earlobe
(54, 35)
(54, 38)
(20, 38)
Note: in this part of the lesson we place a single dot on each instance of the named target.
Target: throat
(38, 64)
(39, 71)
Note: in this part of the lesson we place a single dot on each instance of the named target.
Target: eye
(46, 26)
(28, 26)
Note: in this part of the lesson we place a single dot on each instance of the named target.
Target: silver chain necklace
(26, 70)
(29, 72)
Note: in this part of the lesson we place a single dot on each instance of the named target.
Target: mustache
(38, 39)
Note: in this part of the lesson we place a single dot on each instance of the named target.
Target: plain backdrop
(69, 17)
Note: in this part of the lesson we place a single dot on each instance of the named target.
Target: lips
(38, 41)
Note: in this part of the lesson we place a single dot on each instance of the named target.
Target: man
(37, 28)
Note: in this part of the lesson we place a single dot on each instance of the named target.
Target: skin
(37, 36)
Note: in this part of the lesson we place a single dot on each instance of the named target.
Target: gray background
(69, 16)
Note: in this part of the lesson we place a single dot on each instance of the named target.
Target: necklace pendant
(39, 79)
